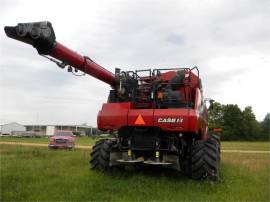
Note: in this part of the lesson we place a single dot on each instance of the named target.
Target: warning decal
(139, 120)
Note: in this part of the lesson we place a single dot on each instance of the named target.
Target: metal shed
(8, 128)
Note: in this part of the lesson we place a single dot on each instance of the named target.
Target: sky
(228, 40)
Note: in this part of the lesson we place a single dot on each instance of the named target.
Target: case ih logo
(170, 120)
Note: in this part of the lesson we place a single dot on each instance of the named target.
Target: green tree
(215, 116)
(237, 124)
(251, 129)
(265, 126)
(232, 122)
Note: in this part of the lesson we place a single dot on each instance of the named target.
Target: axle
(41, 36)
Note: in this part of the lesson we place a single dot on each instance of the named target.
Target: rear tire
(100, 155)
(217, 139)
(205, 160)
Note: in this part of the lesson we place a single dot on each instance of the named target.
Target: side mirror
(209, 103)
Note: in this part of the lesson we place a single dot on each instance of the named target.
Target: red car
(62, 139)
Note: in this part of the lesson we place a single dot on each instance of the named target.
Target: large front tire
(100, 155)
(205, 160)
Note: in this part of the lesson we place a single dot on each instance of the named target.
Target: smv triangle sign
(139, 120)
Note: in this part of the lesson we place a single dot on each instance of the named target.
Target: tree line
(236, 124)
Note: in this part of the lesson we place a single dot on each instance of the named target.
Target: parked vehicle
(62, 139)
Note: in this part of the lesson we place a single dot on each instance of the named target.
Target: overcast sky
(228, 40)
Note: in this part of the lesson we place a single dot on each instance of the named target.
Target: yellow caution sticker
(129, 152)
(157, 154)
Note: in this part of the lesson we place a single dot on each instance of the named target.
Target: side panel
(113, 116)
(175, 120)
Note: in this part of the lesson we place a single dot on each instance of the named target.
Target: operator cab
(156, 89)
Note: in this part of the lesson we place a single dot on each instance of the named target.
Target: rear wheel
(217, 139)
(100, 155)
(205, 160)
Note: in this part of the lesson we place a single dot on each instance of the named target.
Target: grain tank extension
(159, 116)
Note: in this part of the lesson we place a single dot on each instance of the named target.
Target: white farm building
(16, 129)
(7, 129)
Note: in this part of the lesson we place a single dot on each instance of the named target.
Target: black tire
(217, 139)
(205, 160)
(100, 155)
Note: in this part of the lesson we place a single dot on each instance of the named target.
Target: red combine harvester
(160, 115)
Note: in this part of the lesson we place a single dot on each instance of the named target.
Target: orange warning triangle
(139, 120)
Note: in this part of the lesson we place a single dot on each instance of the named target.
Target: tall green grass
(39, 174)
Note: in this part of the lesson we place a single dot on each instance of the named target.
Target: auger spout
(42, 37)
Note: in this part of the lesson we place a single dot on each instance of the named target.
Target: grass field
(39, 174)
(264, 146)
(85, 141)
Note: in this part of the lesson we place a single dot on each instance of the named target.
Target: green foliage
(232, 121)
(237, 124)
(265, 126)
(251, 127)
(216, 116)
